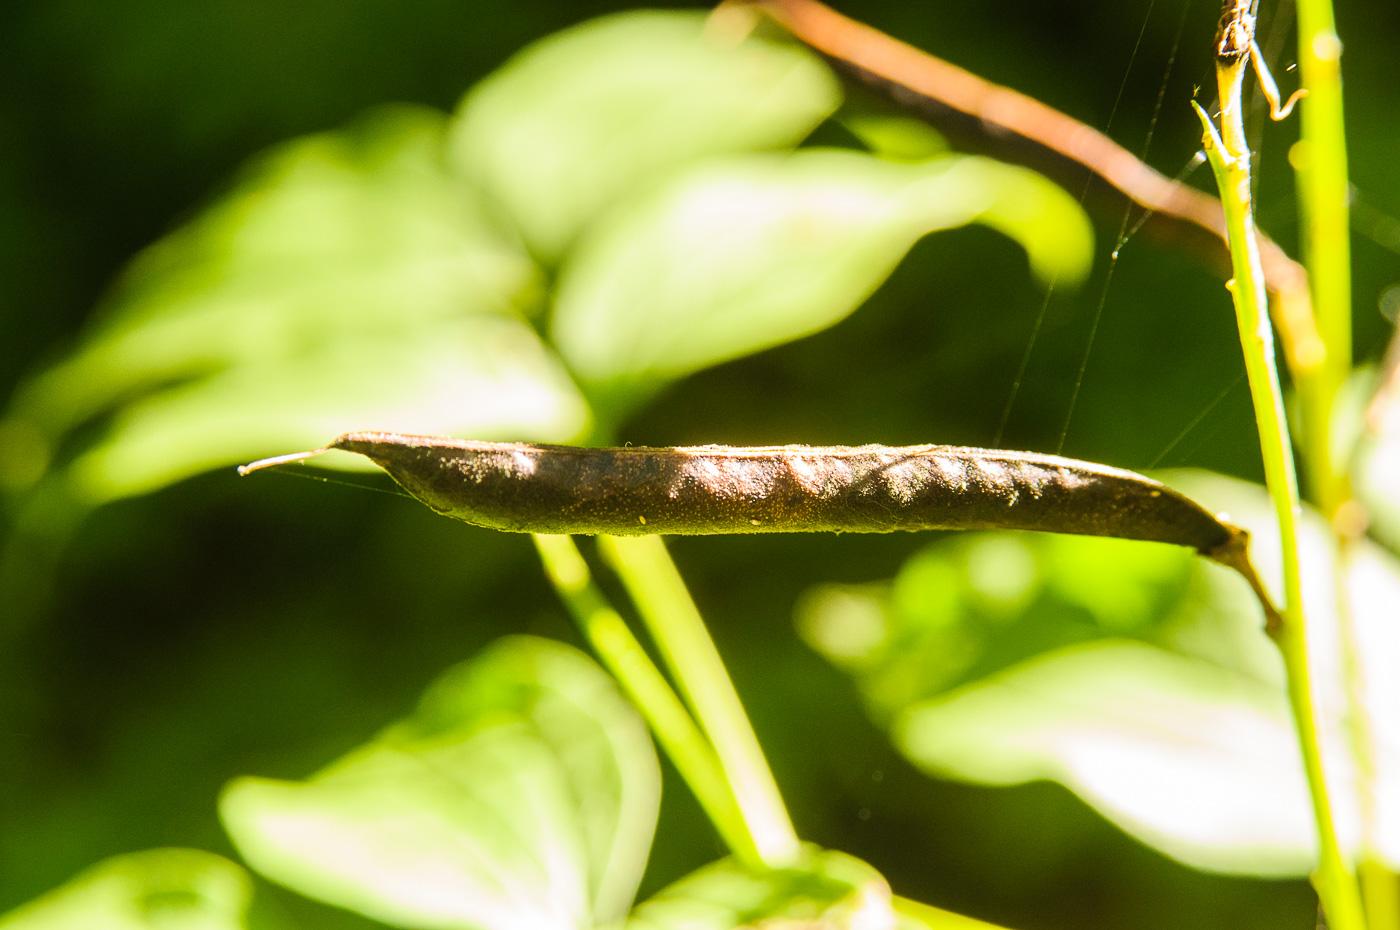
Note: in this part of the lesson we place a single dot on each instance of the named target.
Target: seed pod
(703, 490)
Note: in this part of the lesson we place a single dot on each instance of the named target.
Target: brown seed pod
(704, 490)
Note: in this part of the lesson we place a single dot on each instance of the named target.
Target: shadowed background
(220, 627)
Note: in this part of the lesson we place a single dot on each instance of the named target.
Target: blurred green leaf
(485, 377)
(1002, 674)
(1373, 590)
(348, 283)
(897, 138)
(1193, 760)
(161, 889)
(753, 251)
(523, 792)
(914, 915)
(973, 604)
(579, 119)
(827, 889)
(362, 233)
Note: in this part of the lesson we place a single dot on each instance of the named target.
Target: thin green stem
(648, 690)
(665, 605)
(1320, 159)
(1230, 160)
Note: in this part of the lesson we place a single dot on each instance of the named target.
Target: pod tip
(260, 464)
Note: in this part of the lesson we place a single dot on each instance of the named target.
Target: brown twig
(1019, 128)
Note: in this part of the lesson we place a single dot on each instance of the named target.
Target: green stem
(659, 592)
(628, 662)
(1320, 159)
(1230, 160)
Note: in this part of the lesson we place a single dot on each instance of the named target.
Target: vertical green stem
(1230, 160)
(647, 688)
(666, 607)
(1320, 159)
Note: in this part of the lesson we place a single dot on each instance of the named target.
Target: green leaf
(579, 119)
(973, 604)
(362, 233)
(522, 793)
(1373, 591)
(915, 915)
(896, 138)
(484, 376)
(1002, 659)
(1193, 760)
(827, 889)
(161, 889)
(745, 253)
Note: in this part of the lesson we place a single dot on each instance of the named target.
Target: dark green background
(225, 627)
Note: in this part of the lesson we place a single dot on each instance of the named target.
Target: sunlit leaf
(915, 915)
(973, 604)
(827, 890)
(1373, 593)
(1192, 759)
(746, 253)
(1003, 665)
(1183, 737)
(484, 377)
(162, 889)
(897, 138)
(522, 793)
(576, 120)
(361, 233)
